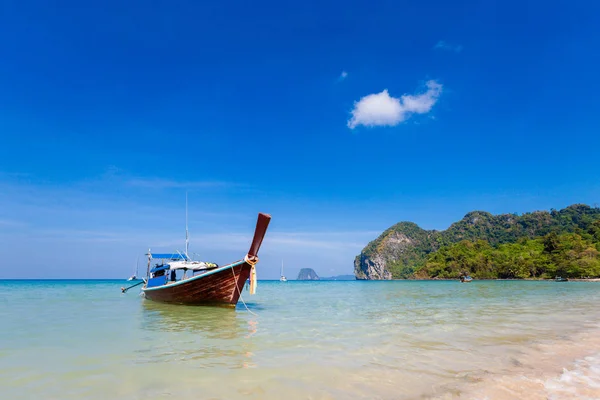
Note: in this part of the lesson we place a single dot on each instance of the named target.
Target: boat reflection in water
(204, 336)
(217, 322)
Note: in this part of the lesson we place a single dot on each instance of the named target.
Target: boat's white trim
(190, 265)
(193, 278)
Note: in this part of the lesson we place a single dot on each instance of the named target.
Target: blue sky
(338, 118)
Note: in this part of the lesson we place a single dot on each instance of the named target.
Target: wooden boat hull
(221, 286)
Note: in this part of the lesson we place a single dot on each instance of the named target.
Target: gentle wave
(563, 369)
(582, 381)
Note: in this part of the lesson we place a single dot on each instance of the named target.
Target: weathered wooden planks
(222, 287)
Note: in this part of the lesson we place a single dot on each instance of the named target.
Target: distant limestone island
(535, 245)
(309, 274)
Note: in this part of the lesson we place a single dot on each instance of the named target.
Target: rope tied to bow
(252, 261)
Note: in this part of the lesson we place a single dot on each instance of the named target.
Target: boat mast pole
(187, 240)
(148, 269)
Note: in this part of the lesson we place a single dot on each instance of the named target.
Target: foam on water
(581, 381)
(566, 368)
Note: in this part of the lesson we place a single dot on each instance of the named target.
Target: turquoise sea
(304, 340)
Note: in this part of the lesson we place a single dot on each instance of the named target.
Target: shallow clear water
(318, 340)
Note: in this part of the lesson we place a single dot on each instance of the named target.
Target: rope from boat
(238, 289)
(252, 261)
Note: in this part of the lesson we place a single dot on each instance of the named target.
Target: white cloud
(158, 183)
(11, 223)
(283, 241)
(442, 45)
(381, 109)
(342, 76)
(83, 221)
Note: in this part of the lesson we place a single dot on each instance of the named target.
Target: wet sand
(567, 369)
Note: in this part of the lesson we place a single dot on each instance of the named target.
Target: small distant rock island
(308, 274)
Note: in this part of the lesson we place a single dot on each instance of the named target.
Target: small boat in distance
(465, 279)
(134, 276)
(283, 278)
(208, 284)
(560, 279)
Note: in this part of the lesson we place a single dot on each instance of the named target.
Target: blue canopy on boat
(169, 256)
(160, 268)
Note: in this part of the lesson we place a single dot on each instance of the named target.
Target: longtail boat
(208, 283)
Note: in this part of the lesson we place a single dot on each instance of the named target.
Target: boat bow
(252, 257)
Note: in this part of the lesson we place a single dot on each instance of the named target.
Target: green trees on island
(569, 247)
(569, 255)
(540, 244)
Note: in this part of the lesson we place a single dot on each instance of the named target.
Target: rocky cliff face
(308, 274)
(390, 255)
(374, 267)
